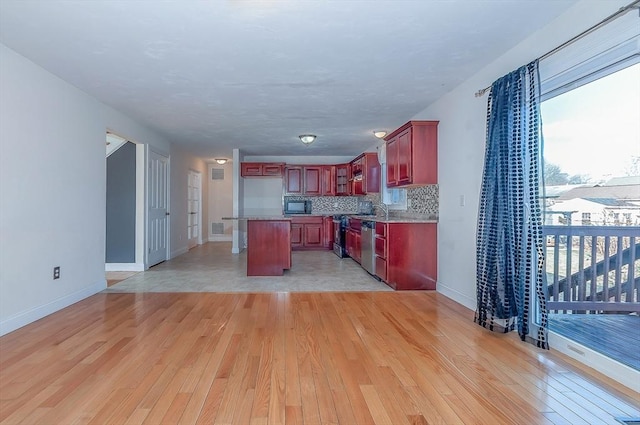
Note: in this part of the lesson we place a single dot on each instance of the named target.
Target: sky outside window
(594, 130)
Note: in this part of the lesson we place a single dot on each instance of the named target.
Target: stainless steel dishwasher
(367, 243)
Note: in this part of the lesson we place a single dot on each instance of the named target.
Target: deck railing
(593, 268)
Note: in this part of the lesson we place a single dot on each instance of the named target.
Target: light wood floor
(276, 358)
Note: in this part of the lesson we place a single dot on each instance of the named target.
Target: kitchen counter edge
(395, 219)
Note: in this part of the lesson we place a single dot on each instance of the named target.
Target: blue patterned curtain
(510, 251)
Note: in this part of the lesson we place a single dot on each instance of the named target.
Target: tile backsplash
(330, 204)
(423, 201)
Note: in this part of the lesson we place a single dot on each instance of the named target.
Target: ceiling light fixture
(221, 161)
(307, 139)
(379, 134)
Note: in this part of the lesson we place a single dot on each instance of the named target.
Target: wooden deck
(615, 335)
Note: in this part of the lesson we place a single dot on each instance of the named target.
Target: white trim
(141, 202)
(178, 252)
(456, 296)
(115, 142)
(220, 238)
(615, 370)
(24, 318)
(124, 267)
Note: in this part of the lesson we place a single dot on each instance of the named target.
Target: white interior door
(158, 231)
(193, 209)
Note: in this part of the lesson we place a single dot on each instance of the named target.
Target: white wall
(262, 196)
(52, 190)
(461, 141)
(180, 164)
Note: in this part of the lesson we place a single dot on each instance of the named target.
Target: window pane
(592, 152)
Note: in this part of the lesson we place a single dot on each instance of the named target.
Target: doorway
(124, 241)
(194, 209)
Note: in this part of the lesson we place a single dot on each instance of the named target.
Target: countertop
(259, 218)
(380, 219)
(392, 219)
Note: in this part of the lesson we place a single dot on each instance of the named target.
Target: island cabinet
(261, 169)
(307, 233)
(303, 180)
(406, 255)
(365, 171)
(343, 176)
(268, 249)
(412, 154)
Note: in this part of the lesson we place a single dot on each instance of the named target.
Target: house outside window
(616, 218)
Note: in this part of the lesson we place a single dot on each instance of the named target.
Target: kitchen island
(268, 245)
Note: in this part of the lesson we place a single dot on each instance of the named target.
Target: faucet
(385, 208)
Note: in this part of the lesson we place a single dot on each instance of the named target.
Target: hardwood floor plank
(137, 417)
(378, 412)
(277, 400)
(176, 409)
(209, 411)
(289, 358)
(292, 395)
(165, 401)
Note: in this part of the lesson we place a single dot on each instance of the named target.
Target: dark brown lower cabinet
(307, 233)
(406, 255)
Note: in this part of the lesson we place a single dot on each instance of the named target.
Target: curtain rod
(633, 5)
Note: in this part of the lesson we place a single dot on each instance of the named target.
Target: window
(395, 199)
(592, 147)
(591, 100)
(586, 219)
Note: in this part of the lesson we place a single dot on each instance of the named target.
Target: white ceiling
(218, 75)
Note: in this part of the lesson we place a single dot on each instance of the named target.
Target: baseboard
(179, 251)
(124, 267)
(457, 296)
(617, 371)
(22, 319)
(220, 238)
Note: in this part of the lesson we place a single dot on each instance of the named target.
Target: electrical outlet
(56, 272)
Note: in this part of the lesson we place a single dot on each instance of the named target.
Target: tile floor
(212, 268)
(115, 277)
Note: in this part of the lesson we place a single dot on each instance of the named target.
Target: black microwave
(294, 206)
